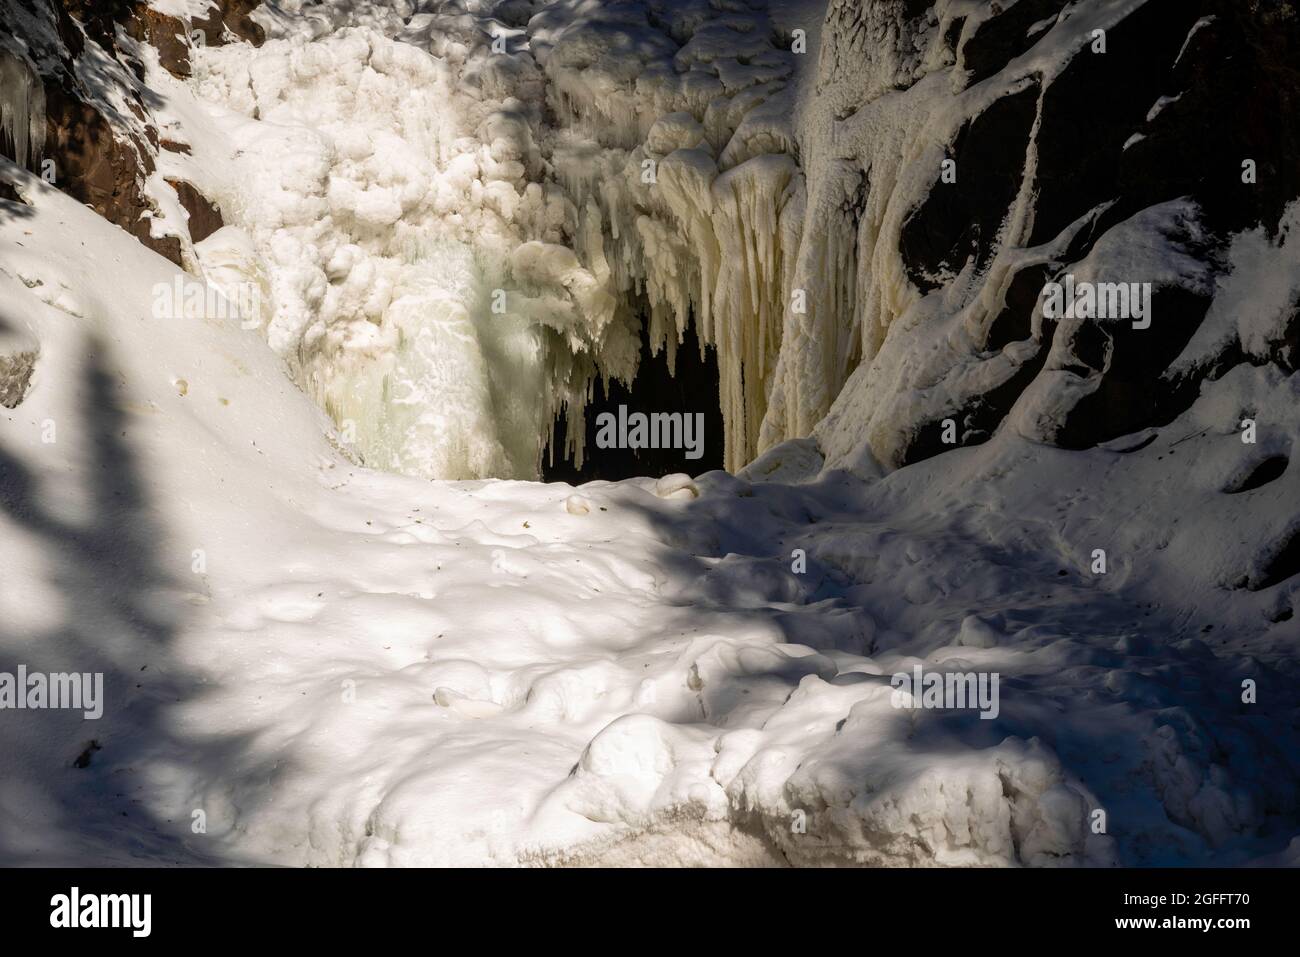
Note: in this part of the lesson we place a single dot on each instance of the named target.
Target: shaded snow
(373, 669)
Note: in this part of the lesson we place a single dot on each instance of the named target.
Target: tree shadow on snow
(105, 599)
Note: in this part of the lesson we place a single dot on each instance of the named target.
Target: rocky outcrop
(97, 164)
(225, 20)
(17, 362)
(202, 217)
(1121, 142)
(83, 57)
(231, 19)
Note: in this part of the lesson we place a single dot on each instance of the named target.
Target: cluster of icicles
(22, 110)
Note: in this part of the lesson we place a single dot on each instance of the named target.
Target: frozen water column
(22, 109)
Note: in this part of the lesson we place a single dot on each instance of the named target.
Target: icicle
(22, 110)
(750, 295)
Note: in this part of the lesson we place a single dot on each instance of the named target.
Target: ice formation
(594, 168)
(458, 215)
(419, 285)
(22, 108)
(425, 223)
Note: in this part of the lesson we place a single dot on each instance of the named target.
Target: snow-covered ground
(312, 662)
(344, 666)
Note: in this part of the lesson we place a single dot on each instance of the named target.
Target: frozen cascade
(699, 204)
(375, 160)
(601, 164)
(443, 335)
(22, 108)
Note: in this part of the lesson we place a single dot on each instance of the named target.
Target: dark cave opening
(692, 392)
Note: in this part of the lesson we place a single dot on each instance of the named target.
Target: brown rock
(232, 16)
(97, 166)
(204, 218)
(165, 34)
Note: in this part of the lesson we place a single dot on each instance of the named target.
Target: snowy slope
(372, 669)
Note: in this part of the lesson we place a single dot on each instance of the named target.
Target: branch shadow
(77, 790)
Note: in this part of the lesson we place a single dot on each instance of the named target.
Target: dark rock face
(227, 19)
(1000, 39)
(960, 221)
(98, 18)
(96, 157)
(1226, 76)
(1131, 394)
(165, 34)
(97, 165)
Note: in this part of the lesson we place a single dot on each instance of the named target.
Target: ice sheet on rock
(1254, 298)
